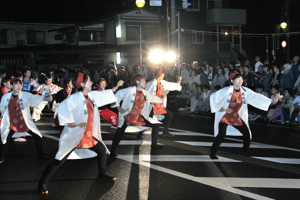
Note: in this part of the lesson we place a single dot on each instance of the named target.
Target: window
(148, 32)
(195, 5)
(35, 37)
(91, 36)
(198, 37)
(57, 37)
(3, 37)
(132, 33)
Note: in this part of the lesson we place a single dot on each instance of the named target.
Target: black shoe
(42, 156)
(156, 147)
(213, 156)
(42, 189)
(113, 154)
(247, 153)
(167, 135)
(106, 177)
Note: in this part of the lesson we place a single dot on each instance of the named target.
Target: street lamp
(283, 25)
(140, 3)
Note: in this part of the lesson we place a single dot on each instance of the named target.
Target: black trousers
(294, 115)
(120, 132)
(38, 143)
(222, 133)
(167, 121)
(99, 148)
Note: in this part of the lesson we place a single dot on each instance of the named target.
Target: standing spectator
(113, 66)
(295, 67)
(203, 77)
(123, 75)
(144, 72)
(219, 79)
(247, 77)
(266, 79)
(211, 74)
(184, 75)
(193, 78)
(276, 76)
(96, 76)
(287, 78)
(257, 63)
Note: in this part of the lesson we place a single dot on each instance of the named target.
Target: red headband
(233, 74)
(13, 79)
(159, 73)
(79, 79)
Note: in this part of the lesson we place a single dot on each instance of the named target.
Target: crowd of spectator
(199, 81)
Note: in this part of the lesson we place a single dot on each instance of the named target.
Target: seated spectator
(182, 98)
(195, 98)
(295, 106)
(203, 104)
(260, 90)
(257, 75)
(273, 107)
(287, 79)
(219, 78)
(286, 104)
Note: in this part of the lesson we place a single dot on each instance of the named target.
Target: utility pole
(173, 24)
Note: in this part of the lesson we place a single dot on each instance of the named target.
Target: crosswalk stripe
(295, 161)
(130, 142)
(176, 158)
(209, 144)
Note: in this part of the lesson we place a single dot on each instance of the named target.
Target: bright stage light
(170, 56)
(156, 56)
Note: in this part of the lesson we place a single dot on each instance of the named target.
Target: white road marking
(176, 158)
(295, 161)
(130, 142)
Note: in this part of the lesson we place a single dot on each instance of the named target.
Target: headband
(13, 79)
(139, 78)
(79, 79)
(233, 74)
(159, 73)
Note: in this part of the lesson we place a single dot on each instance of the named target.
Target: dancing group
(143, 106)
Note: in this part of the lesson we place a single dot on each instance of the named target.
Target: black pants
(38, 143)
(167, 121)
(285, 112)
(294, 115)
(222, 133)
(120, 132)
(99, 148)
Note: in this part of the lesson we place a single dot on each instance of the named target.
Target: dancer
(135, 111)
(230, 106)
(44, 90)
(16, 116)
(104, 112)
(160, 88)
(29, 84)
(80, 116)
(62, 95)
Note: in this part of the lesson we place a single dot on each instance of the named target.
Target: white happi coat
(26, 100)
(167, 86)
(74, 109)
(221, 99)
(53, 88)
(127, 95)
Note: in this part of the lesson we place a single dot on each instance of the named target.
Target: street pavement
(182, 170)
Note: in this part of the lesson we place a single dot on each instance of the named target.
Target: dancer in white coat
(160, 88)
(80, 116)
(231, 112)
(16, 116)
(44, 90)
(135, 111)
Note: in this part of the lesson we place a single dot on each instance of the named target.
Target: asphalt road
(182, 170)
